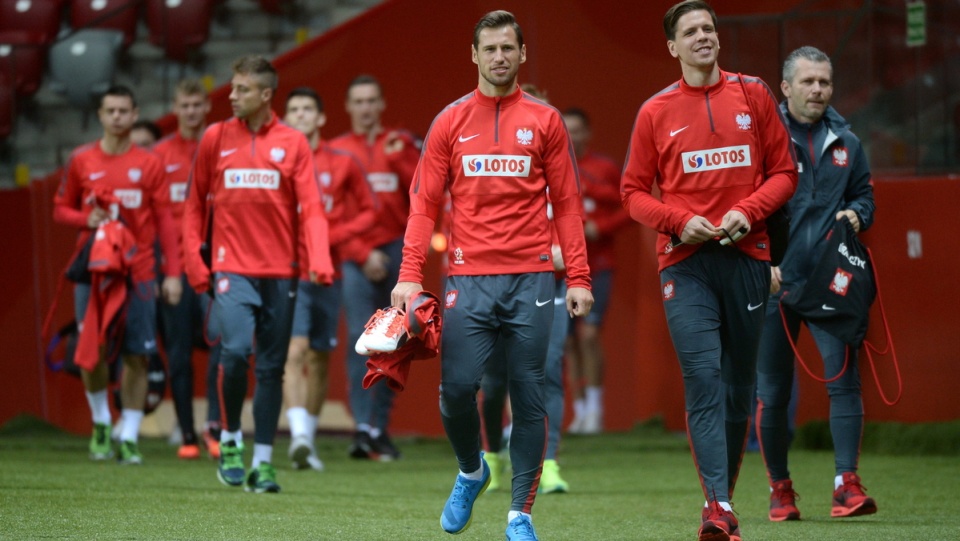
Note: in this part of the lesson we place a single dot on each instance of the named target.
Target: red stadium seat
(106, 14)
(22, 60)
(276, 7)
(6, 108)
(179, 26)
(40, 16)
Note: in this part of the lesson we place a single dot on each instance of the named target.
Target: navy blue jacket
(834, 176)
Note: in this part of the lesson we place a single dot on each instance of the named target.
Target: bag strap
(796, 352)
(889, 347)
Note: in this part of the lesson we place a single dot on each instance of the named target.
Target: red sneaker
(718, 524)
(850, 500)
(188, 452)
(212, 445)
(783, 502)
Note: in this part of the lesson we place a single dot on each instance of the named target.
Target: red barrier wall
(598, 55)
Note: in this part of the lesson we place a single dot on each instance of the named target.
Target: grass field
(628, 486)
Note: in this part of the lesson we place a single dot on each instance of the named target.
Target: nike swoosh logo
(463, 139)
(173, 167)
(674, 132)
(751, 307)
(544, 303)
(224, 153)
(95, 176)
(825, 307)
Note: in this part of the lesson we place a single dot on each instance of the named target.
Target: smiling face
(498, 55)
(695, 42)
(809, 91)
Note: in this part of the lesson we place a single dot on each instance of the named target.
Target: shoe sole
(791, 516)
(712, 532)
(868, 507)
(558, 489)
(271, 490)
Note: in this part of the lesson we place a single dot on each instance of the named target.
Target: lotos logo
(263, 179)
(716, 158)
(495, 165)
(130, 199)
(178, 192)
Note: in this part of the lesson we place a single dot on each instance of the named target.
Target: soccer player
(180, 322)
(389, 157)
(349, 206)
(834, 182)
(716, 145)
(253, 173)
(497, 150)
(145, 133)
(135, 177)
(605, 217)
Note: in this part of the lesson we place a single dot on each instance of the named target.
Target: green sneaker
(262, 479)
(100, 448)
(230, 471)
(497, 468)
(550, 480)
(130, 454)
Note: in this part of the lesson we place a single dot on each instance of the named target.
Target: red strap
(889, 347)
(846, 352)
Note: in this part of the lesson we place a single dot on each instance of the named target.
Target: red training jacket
(600, 178)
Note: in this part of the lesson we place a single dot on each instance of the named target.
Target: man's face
(302, 114)
(579, 132)
(247, 96)
(142, 137)
(365, 104)
(191, 110)
(695, 43)
(117, 114)
(498, 56)
(809, 93)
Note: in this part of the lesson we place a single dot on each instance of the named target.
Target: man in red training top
(389, 157)
(135, 177)
(253, 173)
(349, 206)
(497, 150)
(717, 147)
(180, 322)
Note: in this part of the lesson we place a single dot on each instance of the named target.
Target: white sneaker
(592, 423)
(315, 463)
(299, 452)
(384, 332)
(575, 426)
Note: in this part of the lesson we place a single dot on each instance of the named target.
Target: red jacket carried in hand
(423, 324)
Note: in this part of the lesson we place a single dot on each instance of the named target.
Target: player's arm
(196, 207)
(68, 202)
(313, 221)
(859, 192)
(426, 200)
(611, 216)
(402, 150)
(640, 170)
(171, 287)
(364, 216)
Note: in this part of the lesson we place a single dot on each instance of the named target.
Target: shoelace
(101, 434)
(854, 487)
(786, 496)
(460, 491)
(522, 527)
(386, 322)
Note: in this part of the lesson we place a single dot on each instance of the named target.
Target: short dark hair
(191, 87)
(154, 130)
(119, 90)
(673, 15)
(305, 92)
(806, 52)
(364, 79)
(579, 113)
(259, 66)
(497, 19)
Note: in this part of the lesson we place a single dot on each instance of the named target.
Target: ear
(321, 120)
(672, 47)
(523, 53)
(136, 114)
(785, 88)
(476, 59)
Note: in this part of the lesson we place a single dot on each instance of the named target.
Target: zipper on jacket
(813, 164)
(706, 96)
(496, 125)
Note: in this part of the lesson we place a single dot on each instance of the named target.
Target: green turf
(630, 486)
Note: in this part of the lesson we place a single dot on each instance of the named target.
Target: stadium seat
(277, 7)
(22, 60)
(106, 14)
(83, 64)
(40, 16)
(6, 107)
(179, 26)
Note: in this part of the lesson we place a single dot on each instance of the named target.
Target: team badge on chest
(840, 157)
(134, 174)
(524, 136)
(277, 154)
(744, 122)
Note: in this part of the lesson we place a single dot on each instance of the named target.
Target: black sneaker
(385, 448)
(362, 446)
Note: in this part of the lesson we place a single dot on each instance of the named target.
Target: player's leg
(139, 341)
(469, 334)
(295, 381)
(575, 377)
(846, 424)
(775, 382)
(550, 479)
(95, 386)
(177, 324)
(591, 352)
(274, 321)
(383, 395)
(237, 301)
(210, 331)
(359, 304)
(494, 387)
